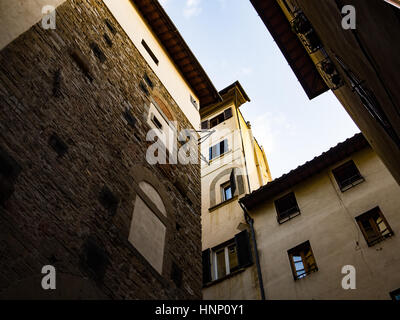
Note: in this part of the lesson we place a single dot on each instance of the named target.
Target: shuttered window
(302, 260)
(218, 149)
(150, 52)
(347, 175)
(374, 226)
(286, 208)
(205, 125)
(227, 114)
(225, 259)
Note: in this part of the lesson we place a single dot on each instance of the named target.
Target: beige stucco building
(233, 164)
(338, 210)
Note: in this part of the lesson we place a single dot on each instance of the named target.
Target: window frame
(375, 227)
(150, 52)
(156, 122)
(220, 118)
(355, 180)
(283, 217)
(226, 149)
(300, 250)
(225, 186)
(214, 261)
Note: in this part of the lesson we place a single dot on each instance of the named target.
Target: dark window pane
(302, 260)
(157, 123)
(347, 174)
(374, 226)
(213, 122)
(223, 146)
(286, 205)
(228, 113)
(205, 124)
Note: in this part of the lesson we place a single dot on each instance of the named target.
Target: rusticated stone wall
(73, 108)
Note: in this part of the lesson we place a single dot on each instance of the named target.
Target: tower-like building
(82, 84)
(233, 164)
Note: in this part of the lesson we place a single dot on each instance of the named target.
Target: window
(226, 191)
(374, 226)
(156, 122)
(286, 208)
(217, 120)
(227, 258)
(302, 260)
(205, 124)
(148, 81)
(151, 54)
(194, 102)
(219, 149)
(395, 295)
(208, 124)
(110, 26)
(347, 176)
(226, 261)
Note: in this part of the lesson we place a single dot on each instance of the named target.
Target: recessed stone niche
(147, 234)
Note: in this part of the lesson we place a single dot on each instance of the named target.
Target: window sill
(228, 276)
(352, 185)
(219, 205)
(219, 157)
(374, 242)
(289, 217)
(306, 275)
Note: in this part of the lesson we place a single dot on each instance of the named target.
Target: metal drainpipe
(250, 222)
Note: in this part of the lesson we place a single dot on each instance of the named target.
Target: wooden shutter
(245, 256)
(228, 113)
(206, 256)
(205, 125)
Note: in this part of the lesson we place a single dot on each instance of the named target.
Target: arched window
(149, 222)
(152, 193)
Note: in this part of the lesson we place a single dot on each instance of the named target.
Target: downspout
(250, 222)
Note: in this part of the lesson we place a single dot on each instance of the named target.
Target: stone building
(233, 164)
(77, 191)
(330, 219)
(351, 47)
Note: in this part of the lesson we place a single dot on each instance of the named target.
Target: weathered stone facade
(73, 115)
